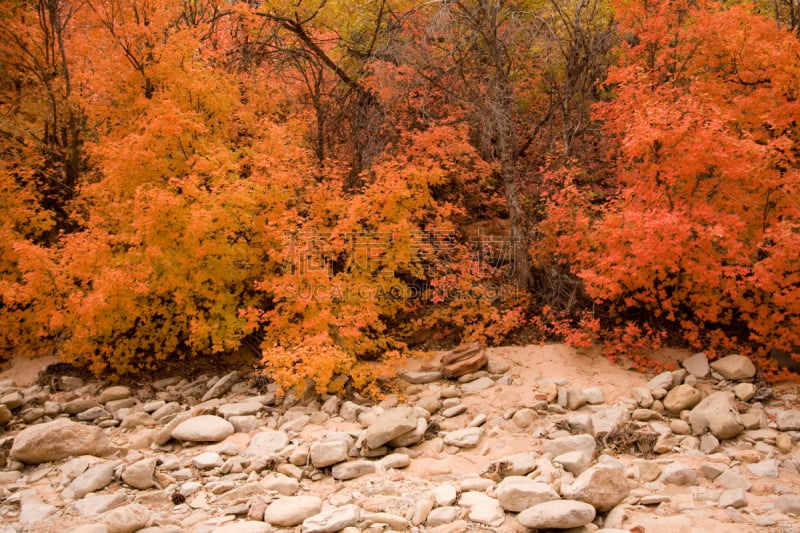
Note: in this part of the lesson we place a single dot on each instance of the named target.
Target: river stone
(390, 425)
(222, 386)
(56, 440)
(291, 511)
(788, 420)
(333, 519)
(483, 509)
(697, 365)
(718, 414)
(326, 453)
(735, 367)
(117, 392)
(679, 474)
(517, 493)
(352, 469)
(268, 442)
(239, 409)
(557, 514)
(97, 504)
(95, 478)
(681, 398)
(126, 519)
(464, 438)
(139, 475)
(203, 428)
(573, 443)
(601, 486)
(245, 526)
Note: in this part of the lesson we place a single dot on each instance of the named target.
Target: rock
(239, 409)
(5, 415)
(765, 468)
(477, 385)
(581, 423)
(788, 420)
(575, 399)
(420, 378)
(788, 504)
(291, 511)
(117, 392)
(731, 480)
(245, 424)
(661, 381)
(464, 359)
(422, 507)
(412, 437)
(222, 386)
(288, 486)
(580, 443)
(90, 528)
(56, 440)
(326, 453)
(246, 526)
(394, 460)
(94, 479)
(517, 493)
(333, 519)
(207, 461)
(557, 514)
(267, 442)
(783, 442)
(126, 519)
(33, 512)
(98, 504)
(735, 367)
(601, 486)
(718, 414)
(642, 396)
(609, 419)
(574, 462)
(455, 410)
(444, 495)
(681, 398)
(594, 395)
(483, 509)
(203, 428)
(524, 417)
(390, 425)
(735, 498)
(442, 515)
(697, 365)
(12, 400)
(679, 474)
(139, 475)
(648, 470)
(464, 438)
(352, 469)
(744, 391)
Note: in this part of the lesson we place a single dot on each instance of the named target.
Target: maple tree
(333, 183)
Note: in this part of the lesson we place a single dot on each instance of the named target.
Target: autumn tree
(699, 235)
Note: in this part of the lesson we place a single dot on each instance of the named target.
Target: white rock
(330, 452)
(139, 475)
(594, 395)
(517, 493)
(679, 474)
(239, 409)
(557, 514)
(390, 425)
(735, 498)
(483, 509)
(442, 515)
(126, 519)
(97, 504)
(464, 438)
(731, 480)
(207, 461)
(697, 365)
(601, 486)
(291, 511)
(581, 443)
(352, 469)
(203, 428)
(718, 414)
(95, 478)
(245, 526)
(765, 468)
(333, 519)
(444, 495)
(268, 442)
(33, 512)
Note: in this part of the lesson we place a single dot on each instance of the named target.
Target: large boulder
(718, 414)
(56, 440)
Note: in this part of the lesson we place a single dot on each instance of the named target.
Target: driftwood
(463, 359)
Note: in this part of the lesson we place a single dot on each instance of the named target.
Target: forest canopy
(333, 184)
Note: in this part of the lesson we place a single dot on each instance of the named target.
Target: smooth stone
(517, 493)
(203, 428)
(681, 398)
(291, 511)
(765, 468)
(207, 461)
(679, 474)
(222, 386)
(267, 442)
(735, 498)
(245, 526)
(464, 438)
(557, 514)
(788, 504)
(352, 469)
(239, 409)
(126, 519)
(601, 486)
(477, 385)
(697, 365)
(731, 480)
(56, 440)
(326, 453)
(718, 414)
(95, 478)
(139, 475)
(734, 367)
(97, 504)
(483, 509)
(333, 519)
(788, 420)
(390, 425)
